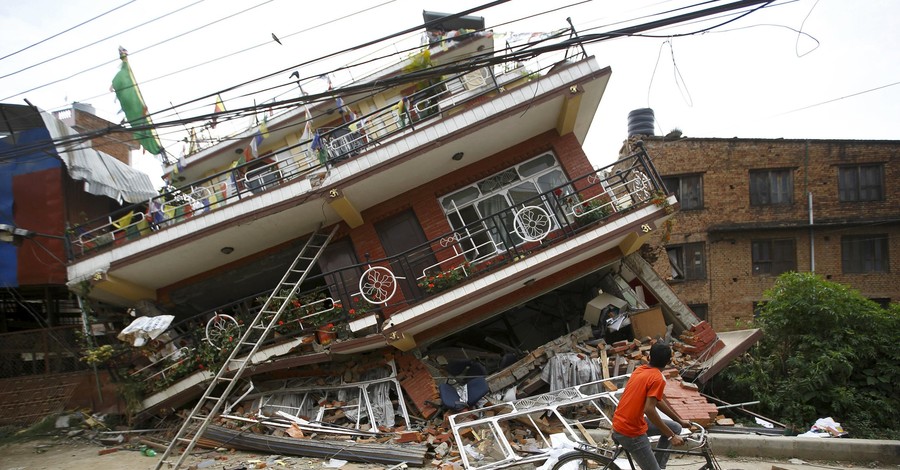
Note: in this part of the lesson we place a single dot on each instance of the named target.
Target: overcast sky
(823, 69)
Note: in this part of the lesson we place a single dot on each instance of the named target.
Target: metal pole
(812, 241)
(85, 328)
(737, 405)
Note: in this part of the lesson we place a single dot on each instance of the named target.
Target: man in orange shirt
(642, 396)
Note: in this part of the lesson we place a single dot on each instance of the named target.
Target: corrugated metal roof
(102, 174)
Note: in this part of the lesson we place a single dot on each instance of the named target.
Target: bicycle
(587, 456)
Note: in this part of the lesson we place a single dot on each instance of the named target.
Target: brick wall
(117, 144)
(728, 224)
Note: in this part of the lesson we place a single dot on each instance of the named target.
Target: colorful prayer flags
(264, 128)
(220, 108)
(133, 106)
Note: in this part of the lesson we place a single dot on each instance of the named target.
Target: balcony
(386, 301)
(304, 164)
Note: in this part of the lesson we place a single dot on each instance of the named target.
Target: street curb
(806, 448)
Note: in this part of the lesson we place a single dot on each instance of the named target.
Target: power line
(137, 51)
(101, 40)
(838, 99)
(482, 60)
(200, 64)
(349, 49)
(67, 30)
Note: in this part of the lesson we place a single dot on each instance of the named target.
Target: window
(773, 257)
(701, 311)
(688, 189)
(860, 183)
(688, 261)
(514, 187)
(864, 253)
(771, 187)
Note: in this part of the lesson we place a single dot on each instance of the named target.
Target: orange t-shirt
(628, 419)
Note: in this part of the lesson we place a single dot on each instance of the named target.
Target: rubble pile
(700, 340)
(425, 397)
(685, 399)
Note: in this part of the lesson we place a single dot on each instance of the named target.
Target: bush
(826, 351)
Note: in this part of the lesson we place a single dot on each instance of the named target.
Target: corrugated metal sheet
(102, 174)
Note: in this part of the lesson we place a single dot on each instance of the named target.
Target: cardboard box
(597, 304)
(648, 323)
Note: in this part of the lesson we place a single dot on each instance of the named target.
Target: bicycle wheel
(584, 460)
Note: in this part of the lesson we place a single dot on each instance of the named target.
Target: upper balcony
(334, 171)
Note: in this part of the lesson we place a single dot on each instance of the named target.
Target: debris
(764, 423)
(825, 427)
(143, 329)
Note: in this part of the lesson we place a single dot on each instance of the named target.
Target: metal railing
(326, 148)
(355, 300)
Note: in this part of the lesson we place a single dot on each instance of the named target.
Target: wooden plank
(587, 435)
(604, 363)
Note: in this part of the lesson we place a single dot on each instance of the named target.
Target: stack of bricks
(701, 340)
(686, 401)
(417, 383)
(622, 357)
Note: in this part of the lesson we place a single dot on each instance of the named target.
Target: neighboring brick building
(745, 218)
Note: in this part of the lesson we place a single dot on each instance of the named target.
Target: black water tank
(641, 122)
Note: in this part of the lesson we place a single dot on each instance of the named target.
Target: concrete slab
(807, 448)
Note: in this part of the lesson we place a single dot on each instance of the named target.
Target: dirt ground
(68, 454)
(48, 454)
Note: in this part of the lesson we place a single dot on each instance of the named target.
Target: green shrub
(826, 351)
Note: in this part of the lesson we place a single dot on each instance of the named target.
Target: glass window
(773, 257)
(771, 187)
(537, 165)
(864, 254)
(491, 200)
(687, 189)
(860, 183)
(499, 222)
(498, 181)
(701, 311)
(688, 262)
(460, 198)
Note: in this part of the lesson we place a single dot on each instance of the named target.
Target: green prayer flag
(133, 105)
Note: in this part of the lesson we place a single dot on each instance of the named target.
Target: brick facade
(727, 223)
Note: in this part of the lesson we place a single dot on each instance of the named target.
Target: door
(334, 261)
(402, 234)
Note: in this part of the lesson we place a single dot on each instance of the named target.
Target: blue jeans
(640, 450)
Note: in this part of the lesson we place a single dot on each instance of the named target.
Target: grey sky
(755, 77)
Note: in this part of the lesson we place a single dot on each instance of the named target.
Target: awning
(102, 174)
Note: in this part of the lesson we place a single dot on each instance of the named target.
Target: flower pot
(325, 334)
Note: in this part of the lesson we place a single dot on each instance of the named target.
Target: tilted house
(449, 191)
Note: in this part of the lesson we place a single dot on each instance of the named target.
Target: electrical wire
(101, 40)
(837, 99)
(797, 42)
(139, 50)
(523, 54)
(67, 30)
(496, 2)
